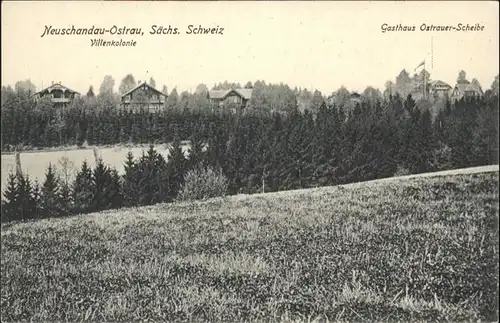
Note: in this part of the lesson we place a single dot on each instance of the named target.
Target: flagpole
(424, 80)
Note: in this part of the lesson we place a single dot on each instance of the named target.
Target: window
(234, 99)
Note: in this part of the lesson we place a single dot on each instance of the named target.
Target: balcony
(61, 100)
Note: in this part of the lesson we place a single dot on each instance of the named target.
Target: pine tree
(426, 143)
(460, 130)
(162, 178)
(153, 181)
(485, 146)
(130, 190)
(50, 199)
(115, 190)
(278, 164)
(176, 168)
(37, 195)
(215, 154)
(299, 150)
(10, 202)
(83, 190)
(326, 136)
(27, 201)
(102, 188)
(234, 160)
(66, 198)
(307, 147)
(196, 156)
(262, 153)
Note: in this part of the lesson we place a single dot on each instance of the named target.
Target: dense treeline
(255, 150)
(98, 120)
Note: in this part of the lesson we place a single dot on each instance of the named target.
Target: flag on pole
(423, 63)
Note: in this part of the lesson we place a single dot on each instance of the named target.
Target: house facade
(439, 89)
(235, 98)
(143, 96)
(467, 90)
(60, 95)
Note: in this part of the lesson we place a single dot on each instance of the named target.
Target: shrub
(203, 183)
(401, 171)
(442, 157)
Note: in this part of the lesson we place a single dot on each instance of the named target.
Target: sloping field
(407, 249)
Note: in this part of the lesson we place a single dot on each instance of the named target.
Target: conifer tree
(10, 201)
(299, 150)
(278, 154)
(485, 147)
(234, 161)
(83, 189)
(130, 187)
(27, 202)
(103, 188)
(50, 199)
(115, 190)
(66, 198)
(426, 143)
(162, 178)
(152, 178)
(327, 126)
(37, 194)
(215, 154)
(176, 168)
(196, 155)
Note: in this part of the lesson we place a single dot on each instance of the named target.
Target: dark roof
(222, 94)
(217, 94)
(245, 93)
(56, 86)
(440, 83)
(142, 84)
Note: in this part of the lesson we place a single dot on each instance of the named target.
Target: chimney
(52, 83)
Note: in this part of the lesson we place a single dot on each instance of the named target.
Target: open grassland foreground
(417, 249)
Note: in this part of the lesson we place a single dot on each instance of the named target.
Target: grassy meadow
(35, 163)
(411, 249)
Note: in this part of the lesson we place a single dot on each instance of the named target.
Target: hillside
(413, 248)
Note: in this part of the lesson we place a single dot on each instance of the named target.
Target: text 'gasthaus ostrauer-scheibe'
(425, 27)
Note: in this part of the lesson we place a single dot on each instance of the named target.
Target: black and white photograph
(249, 161)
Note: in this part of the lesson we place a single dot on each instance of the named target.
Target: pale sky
(318, 45)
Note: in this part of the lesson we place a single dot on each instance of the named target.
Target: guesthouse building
(235, 98)
(143, 96)
(59, 95)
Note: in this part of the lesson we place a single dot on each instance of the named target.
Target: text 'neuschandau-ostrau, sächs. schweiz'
(133, 31)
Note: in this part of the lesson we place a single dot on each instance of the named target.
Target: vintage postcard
(246, 161)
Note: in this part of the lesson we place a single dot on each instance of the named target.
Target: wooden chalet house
(467, 90)
(233, 98)
(439, 88)
(60, 95)
(143, 96)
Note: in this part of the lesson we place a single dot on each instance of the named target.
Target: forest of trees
(316, 146)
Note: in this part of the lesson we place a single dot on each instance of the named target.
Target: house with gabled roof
(468, 90)
(143, 96)
(439, 88)
(59, 94)
(233, 97)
